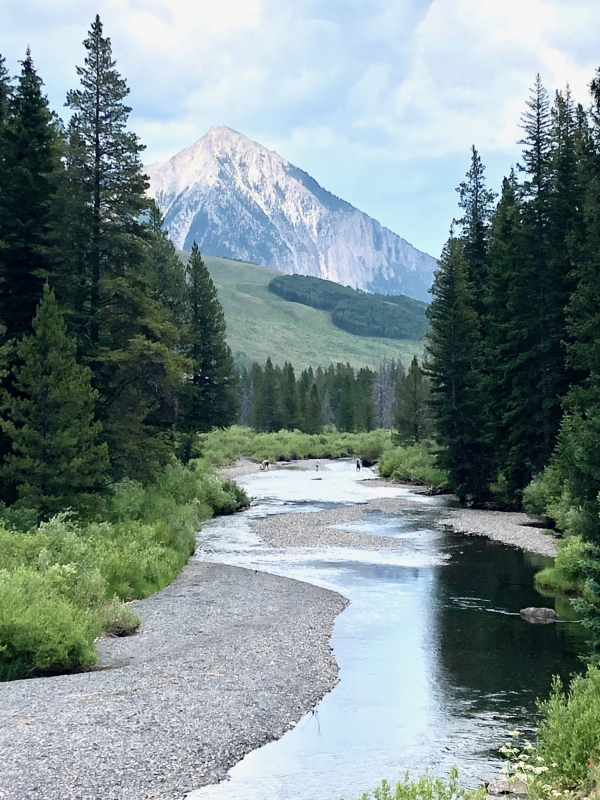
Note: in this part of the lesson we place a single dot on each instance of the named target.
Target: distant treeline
(387, 316)
(273, 398)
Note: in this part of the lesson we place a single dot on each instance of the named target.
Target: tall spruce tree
(29, 161)
(124, 332)
(5, 91)
(209, 398)
(266, 402)
(57, 461)
(476, 202)
(412, 418)
(453, 364)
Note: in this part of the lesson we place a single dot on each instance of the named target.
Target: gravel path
(226, 659)
(502, 526)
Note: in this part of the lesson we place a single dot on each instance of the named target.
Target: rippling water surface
(436, 665)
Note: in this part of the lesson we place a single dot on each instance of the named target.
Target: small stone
(539, 616)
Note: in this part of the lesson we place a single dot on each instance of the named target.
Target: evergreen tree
(266, 408)
(5, 91)
(454, 357)
(165, 267)
(56, 461)
(347, 400)
(314, 419)
(209, 398)
(476, 202)
(412, 420)
(364, 406)
(29, 160)
(124, 332)
(289, 398)
(104, 162)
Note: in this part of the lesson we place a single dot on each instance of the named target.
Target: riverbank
(226, 660)
(512, 528)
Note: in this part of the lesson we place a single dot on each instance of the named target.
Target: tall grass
(62, 583)
(425, 788)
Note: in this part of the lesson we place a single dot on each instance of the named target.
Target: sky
(379, 100)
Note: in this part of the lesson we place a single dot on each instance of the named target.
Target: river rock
(502, 787)
(539, 616)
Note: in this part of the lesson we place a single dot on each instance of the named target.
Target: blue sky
(379, 100)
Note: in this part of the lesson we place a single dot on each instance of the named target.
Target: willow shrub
(62, 583)
(569, 734)
(412, 464)
(224, 446)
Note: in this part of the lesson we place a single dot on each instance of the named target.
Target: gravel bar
(226, 660)
(508, 527)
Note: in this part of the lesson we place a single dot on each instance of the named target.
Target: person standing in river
(358, 464)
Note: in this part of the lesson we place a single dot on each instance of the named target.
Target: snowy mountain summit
(237, 199)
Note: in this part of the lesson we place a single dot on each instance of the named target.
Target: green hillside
(261, 324)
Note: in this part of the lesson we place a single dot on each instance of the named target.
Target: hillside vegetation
(261, 324)
(360, 313)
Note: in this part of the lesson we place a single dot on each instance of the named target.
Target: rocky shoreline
(226, 660)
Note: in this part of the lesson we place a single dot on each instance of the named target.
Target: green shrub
(41, 632)
(63, 581)
(119, 619)
(425, 788)
(569, 734)
(566, 575)
(414, 464)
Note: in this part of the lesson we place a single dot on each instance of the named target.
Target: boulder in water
(539, 616)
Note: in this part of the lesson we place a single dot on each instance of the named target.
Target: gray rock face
(238, 199)
(540, 616)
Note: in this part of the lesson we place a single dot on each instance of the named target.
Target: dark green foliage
(5, 91)
(412, 416)
(392, 317)
(124, 332)
(453, 364)
(56, 460)
(209, 397)
(476, 201)
(266, 414)
(29, 160)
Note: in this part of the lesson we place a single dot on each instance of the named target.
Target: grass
(261, 324)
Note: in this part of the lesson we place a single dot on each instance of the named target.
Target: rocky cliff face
(237, 199)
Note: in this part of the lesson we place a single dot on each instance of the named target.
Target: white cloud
(379, 99)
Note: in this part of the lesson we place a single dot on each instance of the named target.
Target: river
(436, 666)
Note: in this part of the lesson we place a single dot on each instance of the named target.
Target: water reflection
(435, 663)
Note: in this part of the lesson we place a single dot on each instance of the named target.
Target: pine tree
(289, 398)
(266, 409)
(412, 421)
(104, 162)
(167, 273)
(314, 418)
(29, 161)
(125, 333)
(347, 400)
(56, 461)
(209, 399)
(476, 202)
(364, 406)
(453, 364)
(5, 92)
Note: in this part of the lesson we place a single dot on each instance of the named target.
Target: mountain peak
(237, 198)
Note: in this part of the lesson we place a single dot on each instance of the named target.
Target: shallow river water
(436, 666)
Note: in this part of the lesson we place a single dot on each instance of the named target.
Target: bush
(414, 464)
(62, 583)
(566, 575)
(41, 632)
(569, 734)
(425, 788)
(222, 447)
